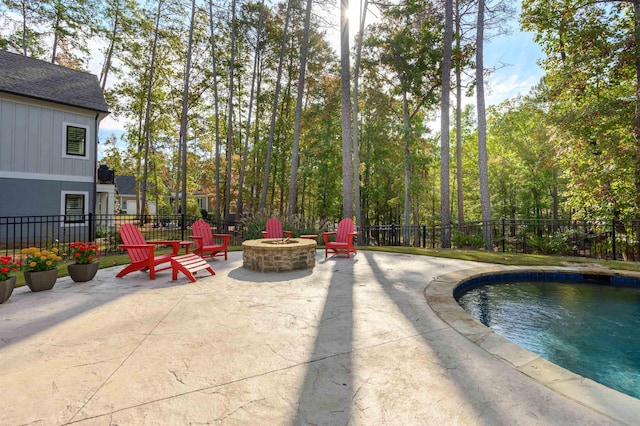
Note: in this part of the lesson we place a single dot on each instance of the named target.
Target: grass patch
(513, 259)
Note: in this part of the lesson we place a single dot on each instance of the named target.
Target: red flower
(4, 270)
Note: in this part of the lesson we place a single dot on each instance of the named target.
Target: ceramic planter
(41, 280)
(6, 288)
(81, 273)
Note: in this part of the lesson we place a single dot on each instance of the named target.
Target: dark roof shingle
(126, 185)
(25, 76)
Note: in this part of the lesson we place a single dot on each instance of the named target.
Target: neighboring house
(49, 118)
(202, 199)
(127, 195)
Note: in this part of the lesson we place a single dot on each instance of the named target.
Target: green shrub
(255, 223)
(461, 239)
(551, 244)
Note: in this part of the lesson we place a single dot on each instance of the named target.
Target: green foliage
(105, 232)
(560, 243)
(465, 240)
(590, 94)
(254, 223)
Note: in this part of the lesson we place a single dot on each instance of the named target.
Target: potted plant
(85, 256)
(7, 280)
(40, 268)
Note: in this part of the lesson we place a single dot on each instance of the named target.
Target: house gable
(24, 76)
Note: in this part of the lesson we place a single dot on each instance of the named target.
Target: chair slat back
(200, 228)
(130, 234)
(344, 228)
(273, 228)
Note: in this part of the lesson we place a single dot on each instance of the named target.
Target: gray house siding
(32, 141)
(38, 197)
(39, 205)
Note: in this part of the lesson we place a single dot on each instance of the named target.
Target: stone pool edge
(439, 295)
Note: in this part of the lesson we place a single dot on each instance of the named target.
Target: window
(74, 206)
(75, 141)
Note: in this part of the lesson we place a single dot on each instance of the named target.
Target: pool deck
(353, 341)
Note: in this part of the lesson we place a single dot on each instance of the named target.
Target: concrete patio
(351, 342)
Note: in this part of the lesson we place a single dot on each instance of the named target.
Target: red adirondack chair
(205, 240)
(344, 239)
(142, 253)
(274, 229)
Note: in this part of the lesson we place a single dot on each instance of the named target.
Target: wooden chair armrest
(175, 244)
(326, 235)
(264, 234)
(225, 237)
(198, 239)
(164, 243)
(288, 233)
(135, 246)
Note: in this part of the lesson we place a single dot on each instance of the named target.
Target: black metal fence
(21, 232)
(612, 239)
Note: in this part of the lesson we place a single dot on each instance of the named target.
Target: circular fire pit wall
(276, 255)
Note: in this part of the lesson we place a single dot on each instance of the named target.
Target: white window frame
(63, 207)
(87, 138)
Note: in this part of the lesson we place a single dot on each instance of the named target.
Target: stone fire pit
(277, 255)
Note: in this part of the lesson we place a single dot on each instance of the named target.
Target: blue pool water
(588, 328)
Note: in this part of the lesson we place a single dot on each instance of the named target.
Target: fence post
(183, 222)
(393, 234)
(613, 237)
(92, 232)
(503, 236)
(424, 236)
(433, 236)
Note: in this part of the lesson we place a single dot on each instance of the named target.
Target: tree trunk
(147, 114)
(485, 200)
(107, 61)
(445, 196)
(55, 38)
(227, 192)
(216, 109)
(272, 126)
(245, 152)
(407, 167)
(356, 153)
(293, 185)
(458, 70)
(345, 86)
(636, 115)
(185, 106)
(24, 27)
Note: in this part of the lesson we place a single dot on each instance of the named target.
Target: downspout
(95, 178)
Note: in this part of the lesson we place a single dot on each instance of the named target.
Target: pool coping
(439, 294)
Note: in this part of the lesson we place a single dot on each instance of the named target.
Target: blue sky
(519, 53)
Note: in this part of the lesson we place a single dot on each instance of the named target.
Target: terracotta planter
(6, 288)
(41, 280)
(81, 273)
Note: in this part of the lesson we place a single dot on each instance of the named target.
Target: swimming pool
(587, 324)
